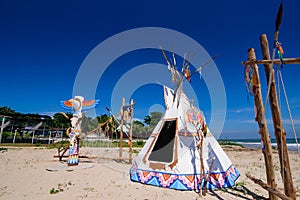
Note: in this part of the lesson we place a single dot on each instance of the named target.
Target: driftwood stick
(268, 188)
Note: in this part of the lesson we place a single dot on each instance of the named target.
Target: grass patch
(24, 145)
(83, 143)
(135, 151)
(37, 144)
(114, 144)
(54, 191)
(60, 187)
(239, 187)
(3, 149)
(240, 183)
(61, 144)
(228, 142)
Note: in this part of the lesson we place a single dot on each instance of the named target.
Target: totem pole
(77, 105)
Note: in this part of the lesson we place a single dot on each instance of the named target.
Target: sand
(24, 176)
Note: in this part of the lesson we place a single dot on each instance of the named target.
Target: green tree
(20, 120)
(88, 124)
(151, 121)
(111, 127)
(102, 118)
(59, 120)
(108, 128)
(8, 111)
(138, 123)
(155, 117)
(138, 129)
(147, 120)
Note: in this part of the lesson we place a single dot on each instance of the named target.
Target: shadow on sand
(240, 192)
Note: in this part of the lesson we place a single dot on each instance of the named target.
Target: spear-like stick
(205, 64)
(277, 25)
(163, 52)
(108, 109)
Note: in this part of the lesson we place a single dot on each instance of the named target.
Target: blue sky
(44, 43)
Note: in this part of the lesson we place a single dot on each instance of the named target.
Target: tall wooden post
(280, 134)
(130, 131)
(262, 123)
(121, 129)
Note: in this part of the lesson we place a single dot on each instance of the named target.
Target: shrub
(140, 142)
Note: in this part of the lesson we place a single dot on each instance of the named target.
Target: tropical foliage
(143, 131)
(20, 120)
(58, 121)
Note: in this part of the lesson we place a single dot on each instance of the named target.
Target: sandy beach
(24, 175)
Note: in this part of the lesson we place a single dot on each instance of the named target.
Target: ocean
(256, 143)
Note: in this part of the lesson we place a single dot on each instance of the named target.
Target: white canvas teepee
(170, 157)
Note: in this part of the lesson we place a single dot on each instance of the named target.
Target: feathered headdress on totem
(86, 105)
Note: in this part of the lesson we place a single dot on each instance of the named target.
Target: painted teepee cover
(170, 157)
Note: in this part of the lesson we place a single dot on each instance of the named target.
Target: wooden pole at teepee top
(130, 131)
(280, 134)
(262, 123)
(121, 128)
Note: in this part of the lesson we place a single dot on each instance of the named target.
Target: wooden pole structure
(276, 61)
(121, 129)
(130, 131)
(262, 123)
(280, 134)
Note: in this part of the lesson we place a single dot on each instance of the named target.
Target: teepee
(170, 157)
(181, 153)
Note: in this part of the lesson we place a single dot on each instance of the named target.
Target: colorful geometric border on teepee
(223, 180)
(184, 181)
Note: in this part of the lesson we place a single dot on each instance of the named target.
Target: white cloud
(242, 110)
(288, 121)
(269, 121)
(247, 121)
(48, 113)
